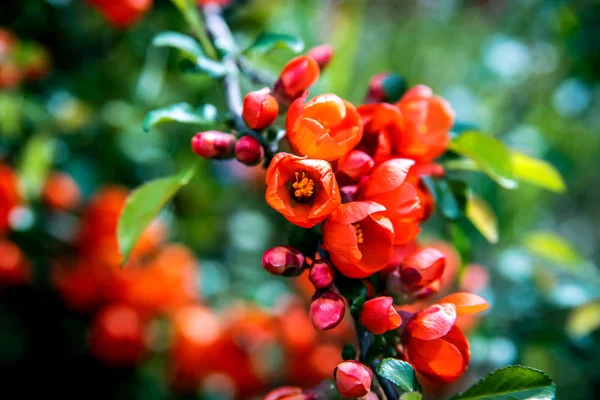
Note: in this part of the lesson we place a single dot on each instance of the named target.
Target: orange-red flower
(9, 195)
(383, 124)
(359, 238)
(378, 315)
(122, 13)
(421, 272)
(387, 185)
(118, 336)
(434, 345)
(61, 192)
(352, 167)
(326, 127)
(260, 109)
(295, 78)
(427, 123)
(303, 190)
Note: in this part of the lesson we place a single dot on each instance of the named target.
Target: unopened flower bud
(378, 315)
(260, 109)
(353, 166)
(286, 393)
(214, 144)
(353, 379)
(327, 309)
(321, 274)
(248, 150)
(322, 55)
(295, 78)
(422, 270)
(283, 260)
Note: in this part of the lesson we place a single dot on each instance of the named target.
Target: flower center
(304, 187)
(359, 232)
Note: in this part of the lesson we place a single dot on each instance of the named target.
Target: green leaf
(182, 113)
(267, 42)
(144, 204)
(35, 164)
(400, 373)
(411, 396)
(481, 214)
(537, 172)
(190, 13)
(584, 320)
(394, 86)
(490, 154)
(192, 51)
(553, 248)
(452, 197)
(512, 383)
(348, 352)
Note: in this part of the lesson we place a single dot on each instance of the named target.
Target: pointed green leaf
(267, 42)
(537, 172)
(553, 248)
(481, 214)
(490, 154)
(583, 320)
(144, 204)
(182, 113)
(512, 383)
(35, 164)
(400, 373)
(192, 51)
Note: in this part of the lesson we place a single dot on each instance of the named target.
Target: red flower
(214, 144)
(248, 150)
(9, 195)
(427, 120)
(383, 124)
(421, 272)
(387, 185)
(327, 309)
(359, 238)
(295, 78)
(352, 167)
(353, 379)
(283, 260)
(303, 190)
(122, 13)
(61, 192)
(326, 127)
(15, 268)
(321, 54)
(434, 345)
(378, 315)
(260, 109)
(118, 336)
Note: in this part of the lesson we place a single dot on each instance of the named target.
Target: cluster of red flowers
(20, 62)
(357, 171)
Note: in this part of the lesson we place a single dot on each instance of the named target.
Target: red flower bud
(214, 144)
(322, 55)
(248, 150)
(378, 315)
(321, 274)
(283, 260)
(352, 378)
(295, 78)
(117, 336)
(61, 192)
(327, 309)
(353, 166)
(375, 93)
(260, 109)
(422, 270)
(122, 13)
(286, 393)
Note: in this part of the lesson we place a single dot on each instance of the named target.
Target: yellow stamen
(304, 187)
(359, 233)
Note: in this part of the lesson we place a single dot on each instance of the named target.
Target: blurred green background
(524, 71)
